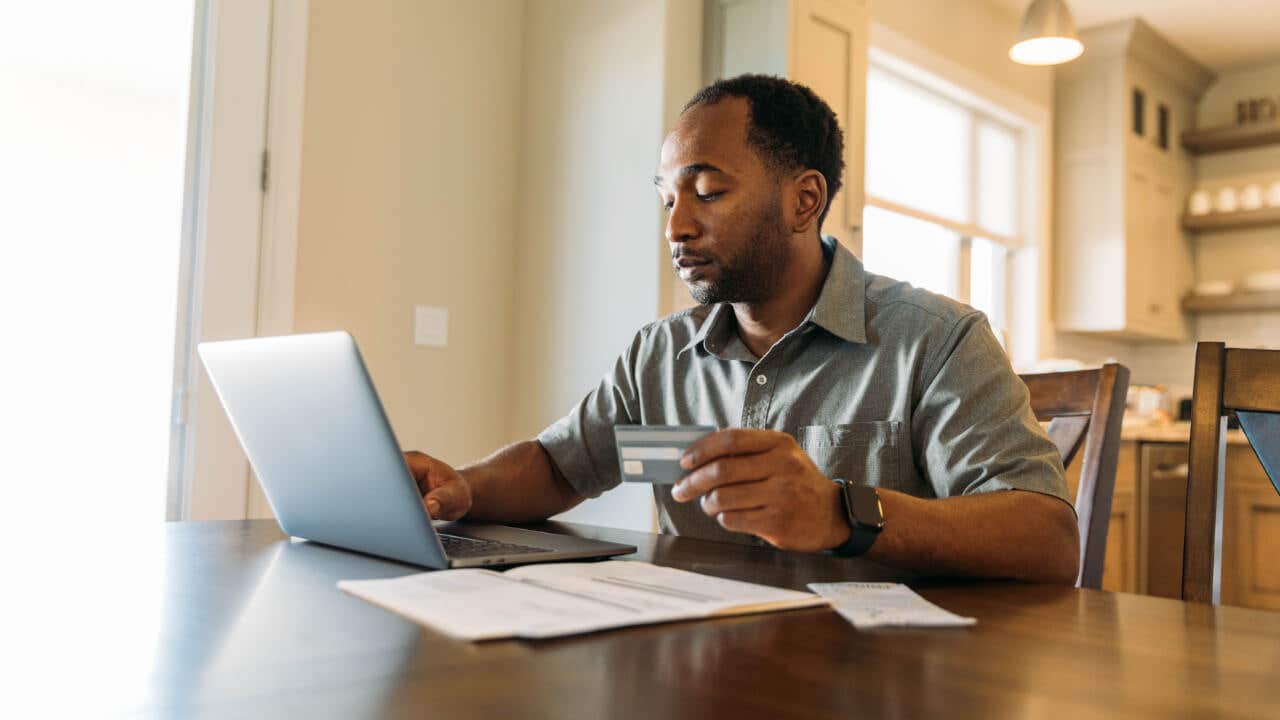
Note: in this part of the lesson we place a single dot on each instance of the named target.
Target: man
(825, 374)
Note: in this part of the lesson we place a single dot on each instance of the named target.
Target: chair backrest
(1227, 380)
(1084, 408)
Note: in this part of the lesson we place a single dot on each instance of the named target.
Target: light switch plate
(430, 326)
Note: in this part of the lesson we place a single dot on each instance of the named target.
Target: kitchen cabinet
(1121, 570)
(1250, 534)
(818, 43)
(1122, 259)
(1144, 539)
(1163, 478)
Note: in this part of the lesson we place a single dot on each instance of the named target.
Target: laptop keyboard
(459, 547)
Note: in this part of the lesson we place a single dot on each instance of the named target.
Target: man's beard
(754, 274)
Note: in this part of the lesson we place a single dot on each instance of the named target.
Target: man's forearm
(1012, 534)
(518, 483)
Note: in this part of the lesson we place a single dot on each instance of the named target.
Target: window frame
(1024, 324)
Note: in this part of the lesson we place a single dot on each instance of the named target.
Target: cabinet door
(1166, 281)
(1120, 569)
(1163, 508)
(1250, 534)
(1140, 247)
(828, 53)
(1155, 281)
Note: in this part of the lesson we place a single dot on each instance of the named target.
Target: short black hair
(789, 125)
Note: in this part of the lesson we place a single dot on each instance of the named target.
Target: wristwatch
(866, 518)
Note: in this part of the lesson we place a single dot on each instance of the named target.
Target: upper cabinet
(1122, 260)
(818, 43)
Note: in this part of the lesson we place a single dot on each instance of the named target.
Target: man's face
(724, 207)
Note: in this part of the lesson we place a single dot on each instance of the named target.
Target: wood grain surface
(241, 622)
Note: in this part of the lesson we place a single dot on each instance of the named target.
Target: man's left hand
(761, 482)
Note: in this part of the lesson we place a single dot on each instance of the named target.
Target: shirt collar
(841, 305)
(840, 309)
(713, 334)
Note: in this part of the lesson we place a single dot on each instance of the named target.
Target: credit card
(651, 453)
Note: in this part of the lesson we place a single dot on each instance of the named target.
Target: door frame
(286, 105)
(239, 237)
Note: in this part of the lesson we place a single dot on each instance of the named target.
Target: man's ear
(810, 193)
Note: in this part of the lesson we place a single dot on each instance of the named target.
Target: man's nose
(681, 225)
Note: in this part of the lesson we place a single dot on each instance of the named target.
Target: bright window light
(904, 248)
(93, 128)
(93, 132)
(917, 147)
(943, 191)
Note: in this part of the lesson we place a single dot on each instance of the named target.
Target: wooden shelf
(1230, 137)
(1232, 221)
(1243, 301)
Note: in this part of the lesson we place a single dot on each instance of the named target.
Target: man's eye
(703, 197)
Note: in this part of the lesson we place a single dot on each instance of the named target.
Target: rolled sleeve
(581, 443)
(975, 426)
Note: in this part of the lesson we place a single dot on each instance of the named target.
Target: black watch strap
(862, 510)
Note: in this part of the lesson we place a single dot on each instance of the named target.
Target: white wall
(590, 244)
(408, 197)
(495, 158)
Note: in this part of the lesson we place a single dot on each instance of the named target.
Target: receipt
(873, 605)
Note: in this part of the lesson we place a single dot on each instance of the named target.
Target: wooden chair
(1227, 380)
(1084, 409)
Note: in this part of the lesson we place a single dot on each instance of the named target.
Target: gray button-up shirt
(882, 383)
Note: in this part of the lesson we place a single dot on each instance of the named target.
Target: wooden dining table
(233, 619)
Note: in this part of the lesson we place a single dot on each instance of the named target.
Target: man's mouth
(690, 268)
(686, 261)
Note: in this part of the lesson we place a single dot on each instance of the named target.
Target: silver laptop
(306, 412)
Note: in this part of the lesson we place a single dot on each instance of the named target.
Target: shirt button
(760, 379)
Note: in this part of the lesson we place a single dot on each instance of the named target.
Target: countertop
(1178, 432)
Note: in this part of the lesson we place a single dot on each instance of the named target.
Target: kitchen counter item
(1214, 288)
(1226, 200)
(1251, 197)
(1273, 194)
(1201, 203)
(1147, 403)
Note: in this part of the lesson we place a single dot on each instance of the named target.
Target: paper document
(872, 605)
(541, 601)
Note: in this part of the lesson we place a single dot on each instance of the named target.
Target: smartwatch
(862, 509)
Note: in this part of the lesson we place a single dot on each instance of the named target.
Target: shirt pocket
(862, 452)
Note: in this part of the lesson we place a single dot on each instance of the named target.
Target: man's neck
(761, 325)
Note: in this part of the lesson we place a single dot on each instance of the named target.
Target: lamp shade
(1048, 35)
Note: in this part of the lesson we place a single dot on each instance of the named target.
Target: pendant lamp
(1048, 35)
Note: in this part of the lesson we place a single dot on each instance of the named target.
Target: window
(93, 136)
(942, 194)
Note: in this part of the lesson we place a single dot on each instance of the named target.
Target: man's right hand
(446, 494)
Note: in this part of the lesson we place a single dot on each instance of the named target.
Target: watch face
(865, 504)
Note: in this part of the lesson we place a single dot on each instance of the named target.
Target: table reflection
(275, 624)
